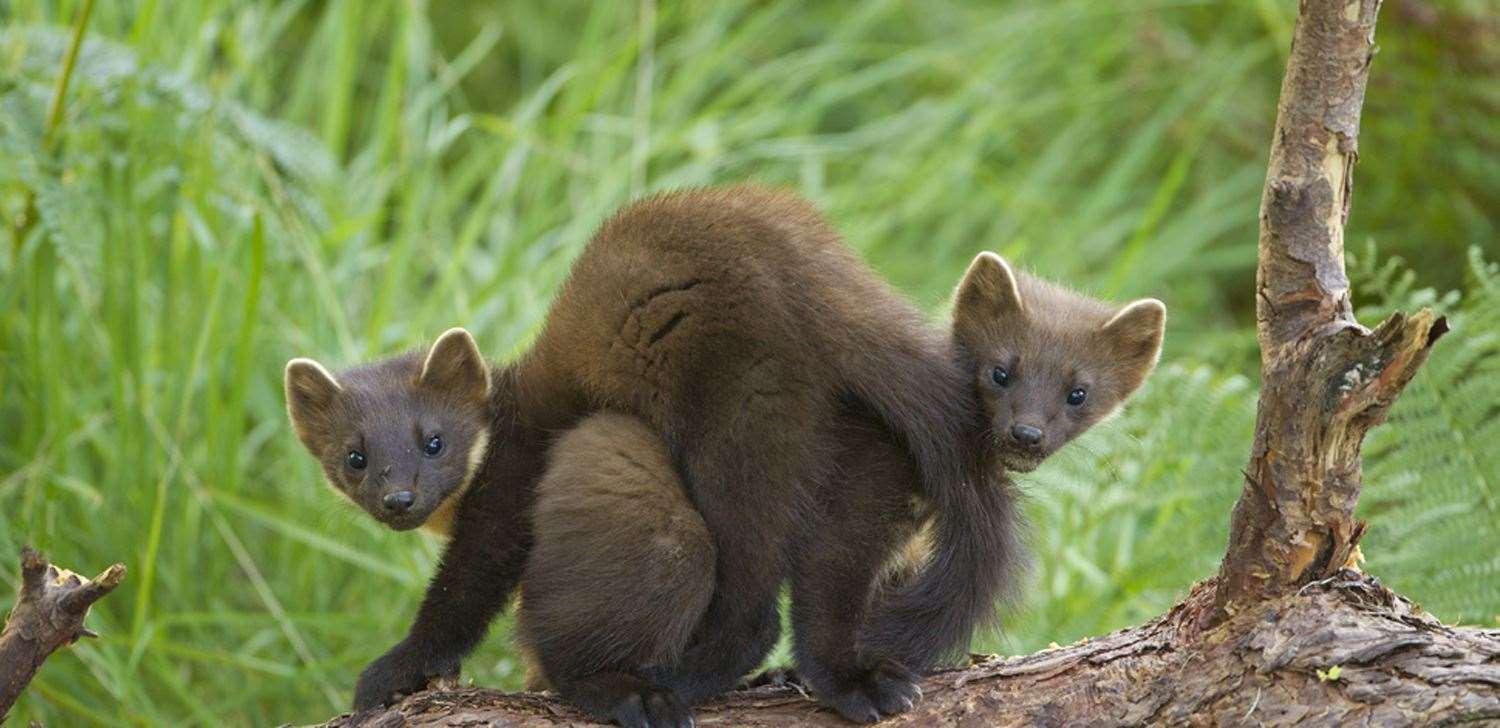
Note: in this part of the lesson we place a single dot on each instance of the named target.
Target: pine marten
(729, 324)
(893, 577)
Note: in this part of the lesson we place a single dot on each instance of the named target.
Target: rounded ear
(310, 394)
(988, 290)
(455, 365)
(1135, 334)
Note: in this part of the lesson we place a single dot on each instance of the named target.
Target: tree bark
(1345, 651)
(1287, 633)
(48, 615)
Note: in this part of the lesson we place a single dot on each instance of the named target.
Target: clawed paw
(401, 671)
(653, 708)
(884, 690)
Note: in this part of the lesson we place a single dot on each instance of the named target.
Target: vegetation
(230, 183)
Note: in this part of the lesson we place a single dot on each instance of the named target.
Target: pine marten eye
(433, 447)
(356, 460)
(1077, 396)
(1001, 375)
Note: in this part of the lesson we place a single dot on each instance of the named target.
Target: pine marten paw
(652, 708)
(404, 670)
(884, 690)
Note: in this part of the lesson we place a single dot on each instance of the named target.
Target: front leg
(477, 575)
(828, 594)
(864, 519)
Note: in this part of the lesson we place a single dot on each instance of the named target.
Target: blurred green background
(233, 183)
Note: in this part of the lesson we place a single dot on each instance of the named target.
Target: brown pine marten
(892, 577)
(733, 324)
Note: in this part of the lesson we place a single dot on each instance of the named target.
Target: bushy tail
(977, 552)
(976, 559)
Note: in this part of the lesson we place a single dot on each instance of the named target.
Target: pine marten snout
(401, 437)
(1048, 363)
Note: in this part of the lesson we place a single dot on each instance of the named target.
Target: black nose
(398, 501)
(1026, 435)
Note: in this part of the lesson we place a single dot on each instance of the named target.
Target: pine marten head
(1048, 363)
(400, 437)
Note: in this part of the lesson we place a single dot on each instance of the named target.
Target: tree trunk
(1325, 380)
(48, 615)
(1286, 633)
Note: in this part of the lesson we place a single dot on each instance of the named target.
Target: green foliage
(235, 182)
(1432, 475)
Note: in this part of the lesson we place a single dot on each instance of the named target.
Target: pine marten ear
(1134, 336)
(988, 291)
(310, 394)
(455, 365)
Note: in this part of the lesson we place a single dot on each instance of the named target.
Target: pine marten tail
(975, 561)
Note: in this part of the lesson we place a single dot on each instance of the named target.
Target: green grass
(229, 184)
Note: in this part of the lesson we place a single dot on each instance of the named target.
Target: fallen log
(1341, 651)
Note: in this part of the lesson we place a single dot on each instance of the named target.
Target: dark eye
(434, 446)
(1077, 396)
(1001, 375)
(356, 460)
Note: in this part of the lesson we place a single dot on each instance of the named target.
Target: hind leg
(750, 463)
(619, 575)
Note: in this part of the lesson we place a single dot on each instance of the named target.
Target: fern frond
(1432, 475)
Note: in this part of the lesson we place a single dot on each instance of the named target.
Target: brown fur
(732, 324)
(1051, 340)
(612, 518)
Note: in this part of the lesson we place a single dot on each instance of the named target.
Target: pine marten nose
(1026, 435)
(398, 501)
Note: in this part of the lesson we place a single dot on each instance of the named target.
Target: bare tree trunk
(48, 615)
(1325, 380)
(1285, 634)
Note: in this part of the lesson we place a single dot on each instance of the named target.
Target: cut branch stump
(48, 615)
